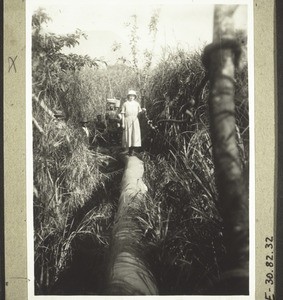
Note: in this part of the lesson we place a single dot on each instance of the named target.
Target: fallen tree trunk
(129, 274)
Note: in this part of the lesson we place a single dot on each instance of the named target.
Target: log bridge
(128, 272)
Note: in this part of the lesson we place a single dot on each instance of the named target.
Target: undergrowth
(180, 219)
(66, 173)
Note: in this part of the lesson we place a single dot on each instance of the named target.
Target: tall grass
(173, 93)
(89, 88)
(66, 173)
(180, 218)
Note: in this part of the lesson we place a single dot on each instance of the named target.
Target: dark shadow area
(87, 273)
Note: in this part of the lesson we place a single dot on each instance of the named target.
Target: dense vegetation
(76, 187)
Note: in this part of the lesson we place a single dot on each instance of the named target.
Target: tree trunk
(221, 58)
(129, 273)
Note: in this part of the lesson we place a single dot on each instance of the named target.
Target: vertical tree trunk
(220, 59)
(129, 273)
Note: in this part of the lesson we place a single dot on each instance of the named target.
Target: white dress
(132, 133)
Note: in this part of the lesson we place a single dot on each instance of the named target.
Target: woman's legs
(131, 150)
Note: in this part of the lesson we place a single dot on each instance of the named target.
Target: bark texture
(222, 58)
(129, 274)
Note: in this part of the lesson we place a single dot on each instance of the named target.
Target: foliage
(93, 87)
(174, 93)
(49, 64)
(66, 174)
(66, 171)
(178, 90)
(180, 218)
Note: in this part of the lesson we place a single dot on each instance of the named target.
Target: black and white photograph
(142, 149)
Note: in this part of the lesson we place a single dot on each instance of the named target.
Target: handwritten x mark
(12, 64)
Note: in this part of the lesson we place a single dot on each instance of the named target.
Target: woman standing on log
(130, 122)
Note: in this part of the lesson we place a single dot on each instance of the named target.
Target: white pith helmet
(132, 92)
